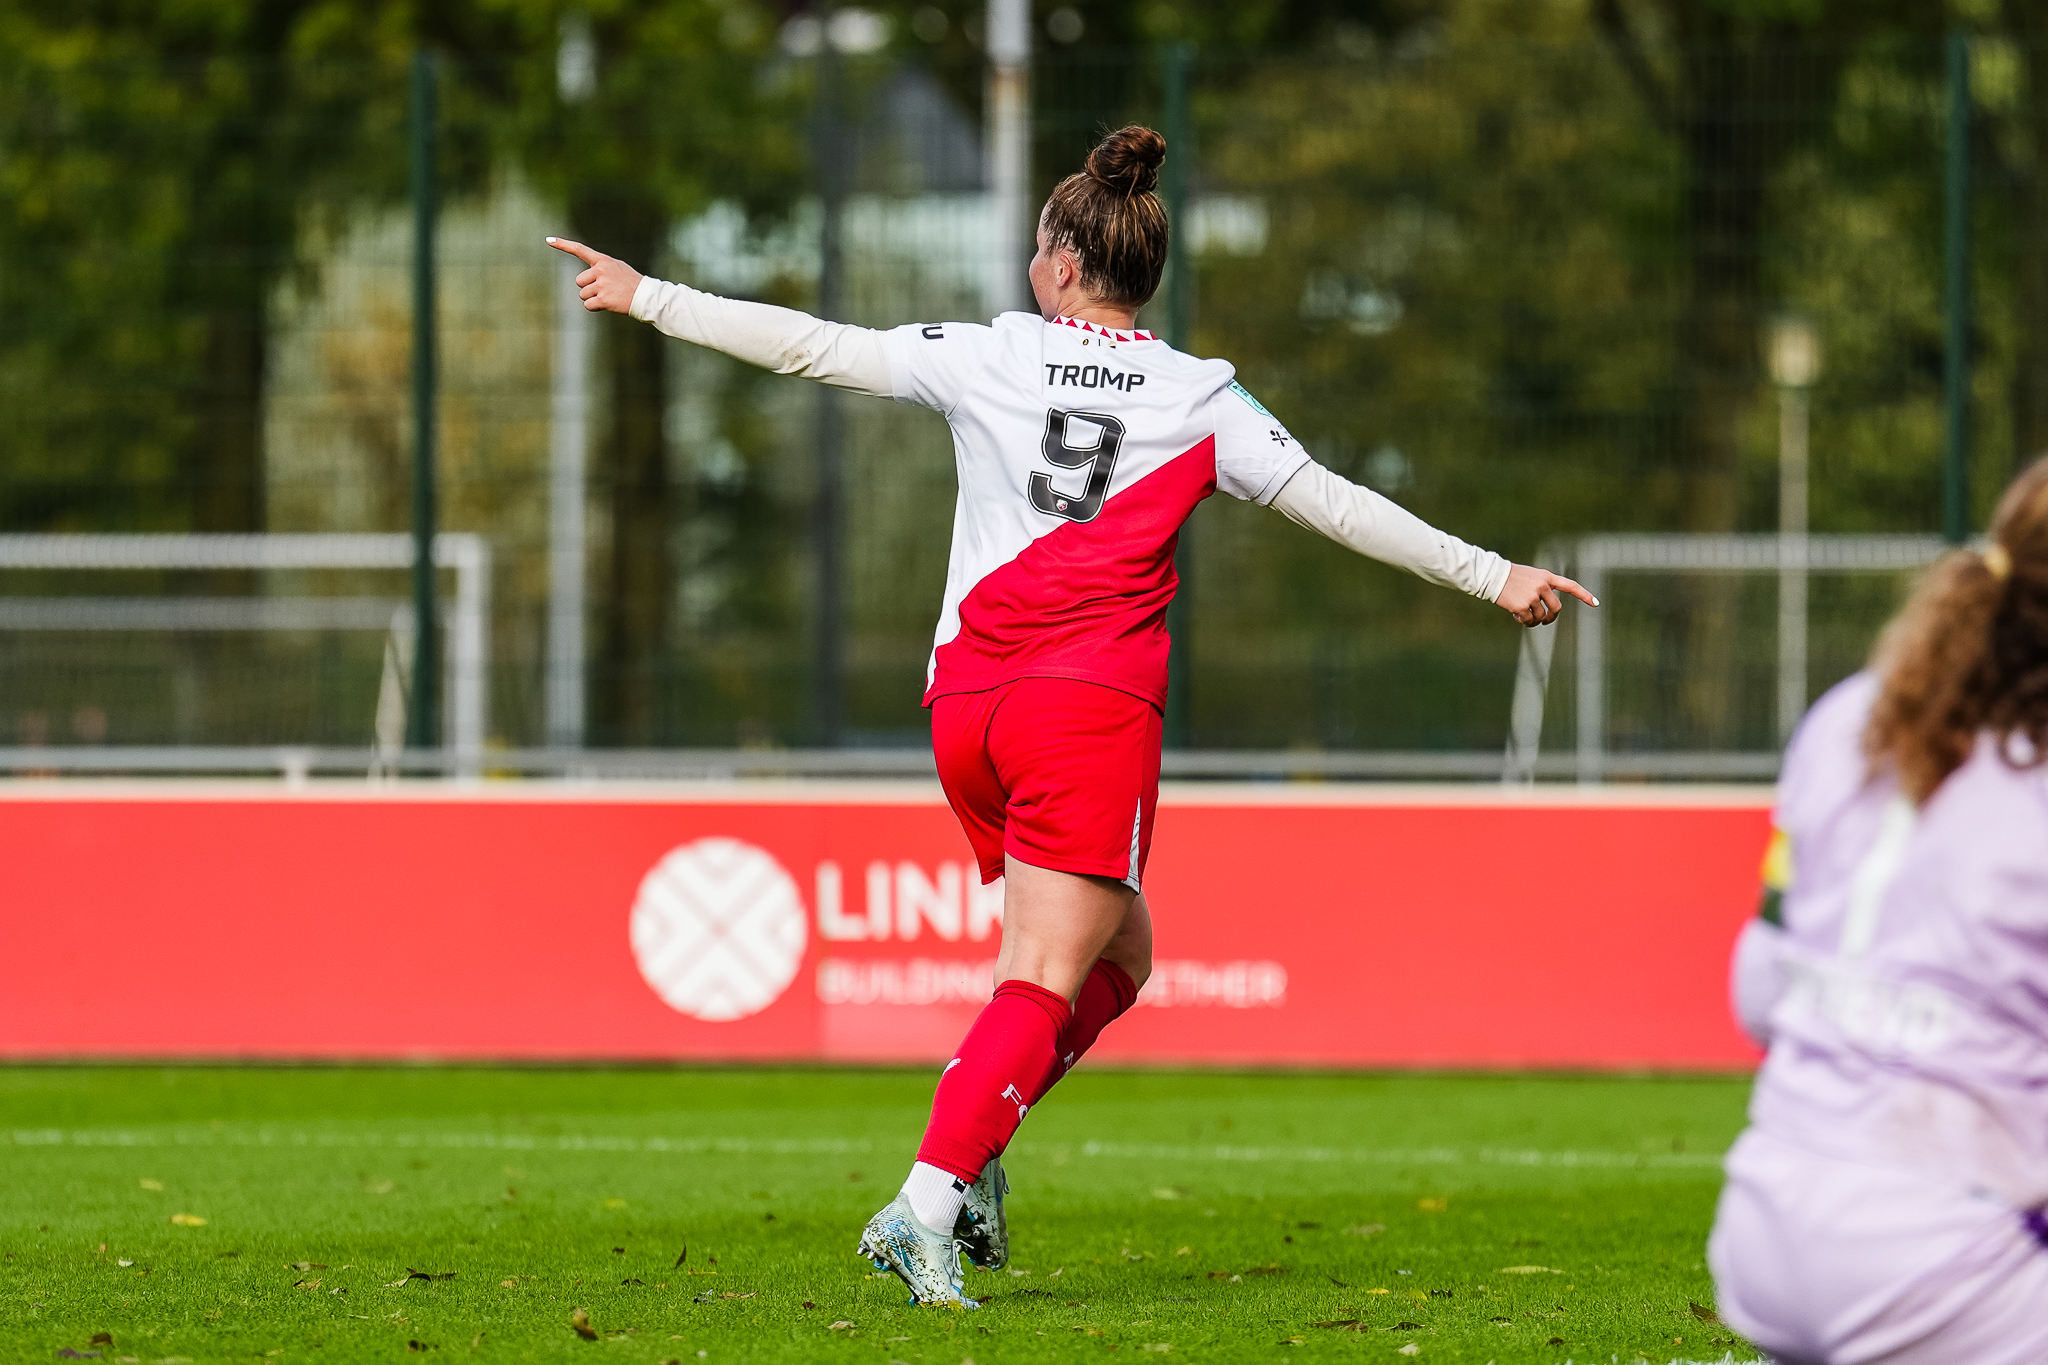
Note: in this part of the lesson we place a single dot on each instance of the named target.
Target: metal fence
(1517, 283)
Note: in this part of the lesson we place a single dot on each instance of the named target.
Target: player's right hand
(1531, 595)
(608, 285)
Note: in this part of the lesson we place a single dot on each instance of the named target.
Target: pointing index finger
(1564, 584)
(576, 249)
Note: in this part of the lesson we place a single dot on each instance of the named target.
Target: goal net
(227, 641)
(1704, 652)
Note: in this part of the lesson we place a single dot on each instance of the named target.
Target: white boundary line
(183, 1135)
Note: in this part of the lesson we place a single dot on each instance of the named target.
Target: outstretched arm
(1362, 520)
(779, 339)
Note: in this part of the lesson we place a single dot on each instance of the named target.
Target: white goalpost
(1596, 561)
(466, 655)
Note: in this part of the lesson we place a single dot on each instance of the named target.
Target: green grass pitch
(386, 1214)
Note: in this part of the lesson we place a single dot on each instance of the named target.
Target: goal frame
(1591, 559)
(465, 669)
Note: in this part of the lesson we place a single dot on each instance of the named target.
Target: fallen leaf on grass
(188, 1220)
(1529, 1270)
(1338, 1322)
(680, 1259)
(728, 1294)
(306, 1284)
(123, 1262)
(706, 1297)
(411, 1275)
(1411, 1349)
(1555, 1341)
(1700, 1311)
(1292, 1341)
(809, 1304)
(579, 1323)
(309, 1265)
(1379, 1291)
(641, 1283)
(842, 1323)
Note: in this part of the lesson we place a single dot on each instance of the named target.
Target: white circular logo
(719, 929)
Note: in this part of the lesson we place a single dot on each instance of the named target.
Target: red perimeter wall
(1417, 927)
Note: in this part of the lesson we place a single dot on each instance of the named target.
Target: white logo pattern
(719, 929)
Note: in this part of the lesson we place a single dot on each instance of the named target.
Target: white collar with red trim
(1104, 331)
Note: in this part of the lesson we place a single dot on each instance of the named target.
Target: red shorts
(1057, 773)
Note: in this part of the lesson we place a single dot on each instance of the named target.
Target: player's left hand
(1531, 595)
(608, 285)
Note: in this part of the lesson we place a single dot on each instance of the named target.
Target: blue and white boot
(927, 1261)
(981, 1230)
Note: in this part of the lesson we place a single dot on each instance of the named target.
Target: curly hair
(1969, 652)
(1110, 217)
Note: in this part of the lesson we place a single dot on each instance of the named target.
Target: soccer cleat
(981, 1230)
(927, 1261)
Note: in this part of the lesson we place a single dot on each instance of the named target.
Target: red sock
(1107, 992)
(987, 1087)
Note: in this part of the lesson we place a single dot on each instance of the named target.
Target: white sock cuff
(935, 1196)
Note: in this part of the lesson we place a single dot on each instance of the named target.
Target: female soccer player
(1082, 444)
(1887, 1202)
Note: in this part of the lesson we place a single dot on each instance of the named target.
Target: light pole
(1009, 149)
(1792, 353)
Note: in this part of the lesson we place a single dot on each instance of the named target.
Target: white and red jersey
(1080, 452)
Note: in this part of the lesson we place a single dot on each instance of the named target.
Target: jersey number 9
(1099, 459)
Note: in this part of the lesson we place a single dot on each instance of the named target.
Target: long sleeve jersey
(1080, 452)
(1905, 999)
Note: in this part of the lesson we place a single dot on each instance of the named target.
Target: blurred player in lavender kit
(1082, 443)
(1889, 1201)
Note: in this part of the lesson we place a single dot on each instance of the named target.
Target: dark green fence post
(1179, 329)
(422, 713)
(1955, 472)
(831, 144)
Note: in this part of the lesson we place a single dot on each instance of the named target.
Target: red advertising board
(1295, 925)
